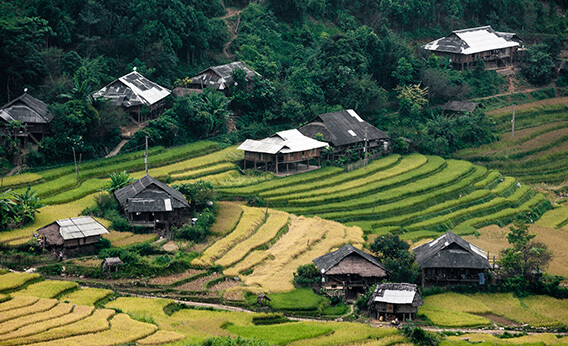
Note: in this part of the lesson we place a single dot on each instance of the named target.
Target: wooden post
(146, 156)
(276, 157)
(266, 212)
(76, 168)
(374, 204)
(365, 150)
(513, 123)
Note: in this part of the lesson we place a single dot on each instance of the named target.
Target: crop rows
(250, 221)
(12, 281)
(275, 222)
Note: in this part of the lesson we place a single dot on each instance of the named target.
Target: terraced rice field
(538, 152)
(415, 195)
(459, 310)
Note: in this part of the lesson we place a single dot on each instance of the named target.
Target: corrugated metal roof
(289, 141)
(397, 293)
(342, 128)
(26, 109)
(473, 40)
(133, 89)
(80, 227)
(396, 297)
(450, 251)
(460, 106)
(224, 75)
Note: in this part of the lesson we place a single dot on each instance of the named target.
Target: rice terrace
(283, 172)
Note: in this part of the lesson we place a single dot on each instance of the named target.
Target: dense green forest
(315, 56)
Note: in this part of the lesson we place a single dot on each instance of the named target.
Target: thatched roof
(51, 235)
(110, 261)
(450, 251)
(342, 128)
(133, 89)
(350, 260)
(26, 109)
(397, 293)
(473, 40)
(221, 77)
(290, 141)
(148, 194)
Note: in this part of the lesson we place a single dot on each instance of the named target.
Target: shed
(283, 148)
(34, 115)
(221, 77)
(132, 92)
(349, 271)
(77, 235)
(395, 300)
(112, 262)
(464, 47)
(150, 203)
(460, 106)
(450, 260)
(346, 130)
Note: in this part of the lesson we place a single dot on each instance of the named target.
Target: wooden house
(32, 113)
(464, 47)
(395, 301)
(73, 236)
(348, 271)
(220, 77)
(346, 130)
(139, 96)
(150, 203)
(282, 149)
(450, 260)
(460, 107)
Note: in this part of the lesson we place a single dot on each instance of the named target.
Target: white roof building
(474, 40)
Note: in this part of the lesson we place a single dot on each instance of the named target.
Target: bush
(306, 275)
(419, 336)
(198, 232)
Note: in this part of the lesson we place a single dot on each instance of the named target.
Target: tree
(26, 206)
(411, 99)
(539, 68)
(526, 258)
(198, 194)
(118, 181)
(399, 262)
(7, 206)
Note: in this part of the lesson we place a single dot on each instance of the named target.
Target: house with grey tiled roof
(32, 113)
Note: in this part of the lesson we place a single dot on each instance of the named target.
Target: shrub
(306, 274)
(419, 336)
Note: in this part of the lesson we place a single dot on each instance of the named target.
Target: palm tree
(118, 181)
(27, 205)
(6, 210)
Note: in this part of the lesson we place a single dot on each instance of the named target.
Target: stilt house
(464, 47)
(73, 236)
(139, 96)
(450, 260)
(221, 77)
(282, 150)
(346, 130)
(395, 300)
(32, 113)
(150, 203)
(348, 271)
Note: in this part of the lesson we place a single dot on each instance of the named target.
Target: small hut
(450, 260)
(283, 149)
(111, 263)
(73, 236)
(32, 113)
(348, 272)
(262, 299)
(460, 107)
(395, 301)
(150, 203)
(133, 92)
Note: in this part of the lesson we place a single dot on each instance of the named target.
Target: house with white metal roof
(132, 92)
(464, 47)
(76, 235)
(283, 148)
(395, 300)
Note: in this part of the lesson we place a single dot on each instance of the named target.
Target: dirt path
(233, 28)
(127, 132)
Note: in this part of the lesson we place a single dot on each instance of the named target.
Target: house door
(390, 308)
